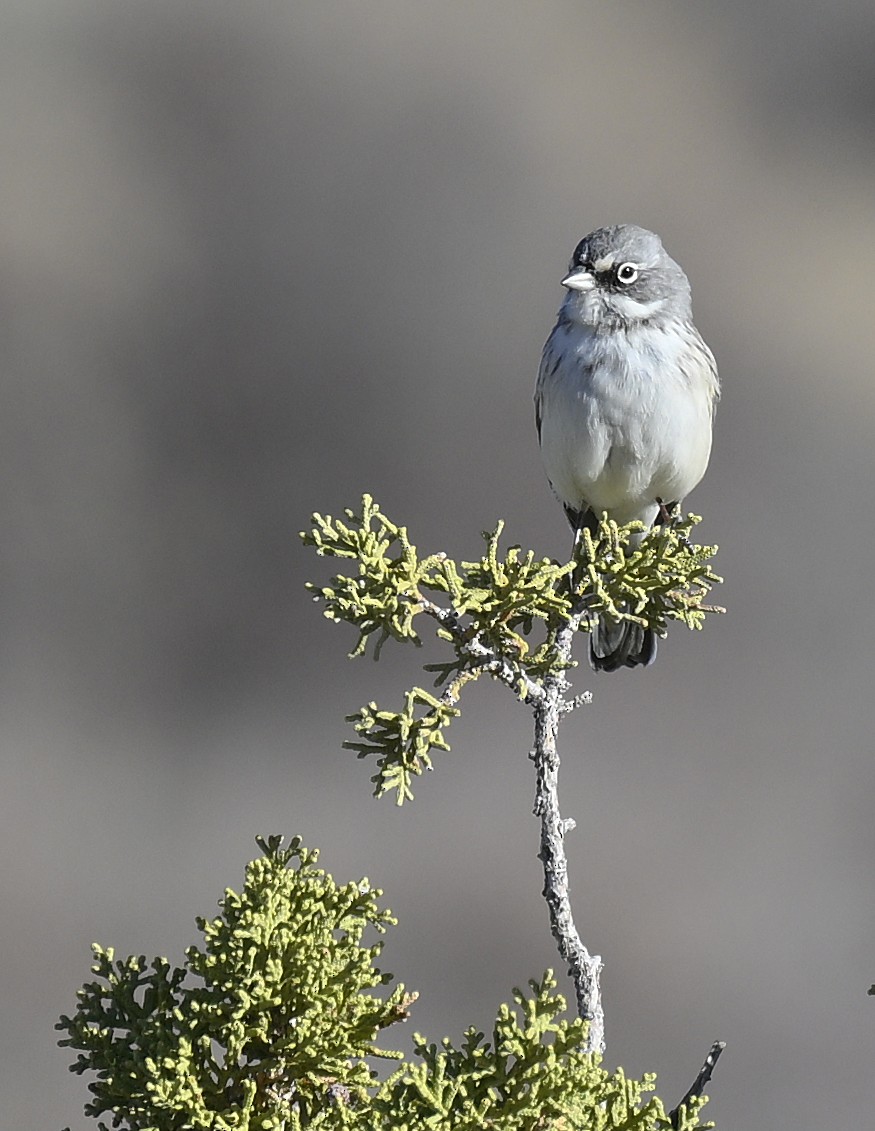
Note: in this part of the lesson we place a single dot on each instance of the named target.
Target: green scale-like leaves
(381, 598)
(500, 615)
(652, 579)
(401, 740)
(533, 1075)
(271, 1016)
(270, 1026)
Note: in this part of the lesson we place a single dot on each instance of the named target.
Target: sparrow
(624, 401)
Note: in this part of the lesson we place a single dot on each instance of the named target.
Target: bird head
(622, 276)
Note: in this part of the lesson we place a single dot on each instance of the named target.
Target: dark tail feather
(620, 644)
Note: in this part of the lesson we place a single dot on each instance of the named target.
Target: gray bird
(624, 400)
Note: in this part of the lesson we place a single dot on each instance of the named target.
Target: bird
(624, 401)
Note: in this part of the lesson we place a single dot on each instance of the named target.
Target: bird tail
(620, 644)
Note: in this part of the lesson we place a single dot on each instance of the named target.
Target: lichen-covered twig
(584, 968)
(483, 657)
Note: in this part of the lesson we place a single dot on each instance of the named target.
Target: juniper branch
(483, 657)
(493, 605)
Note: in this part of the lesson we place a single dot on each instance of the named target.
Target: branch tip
(582, 700)
(698, 1085)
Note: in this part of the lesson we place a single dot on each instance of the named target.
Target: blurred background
(257, 259)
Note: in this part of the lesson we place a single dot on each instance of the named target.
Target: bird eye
(627, 273)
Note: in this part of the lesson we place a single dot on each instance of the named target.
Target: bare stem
(583, 967)
(549, 704)
(698, 1085)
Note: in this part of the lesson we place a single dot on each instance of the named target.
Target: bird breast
(625, 416)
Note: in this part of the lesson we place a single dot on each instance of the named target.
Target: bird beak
(579, 281)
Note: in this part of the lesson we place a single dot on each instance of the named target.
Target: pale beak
(579, 281)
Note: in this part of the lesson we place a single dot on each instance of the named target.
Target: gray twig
(583, 967)
(485, 657)
(698, 1085)
(582, 700)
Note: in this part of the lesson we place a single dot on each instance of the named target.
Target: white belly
(629, 427)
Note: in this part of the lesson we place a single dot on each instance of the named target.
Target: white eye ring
(627, 273)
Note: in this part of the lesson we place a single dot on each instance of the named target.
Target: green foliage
(653, 579)
(500, 615)
(533, 1075)
(401, 740)
(269, 1027)
(271, 1017)
(381, 599)
(501, 597)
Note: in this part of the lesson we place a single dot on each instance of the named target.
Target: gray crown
(603, 252)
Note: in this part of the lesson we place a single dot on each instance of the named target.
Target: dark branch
(698, 1085)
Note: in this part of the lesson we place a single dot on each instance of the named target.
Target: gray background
(257, 258)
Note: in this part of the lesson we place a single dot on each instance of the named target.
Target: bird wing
(550, 359)
(709, 367)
